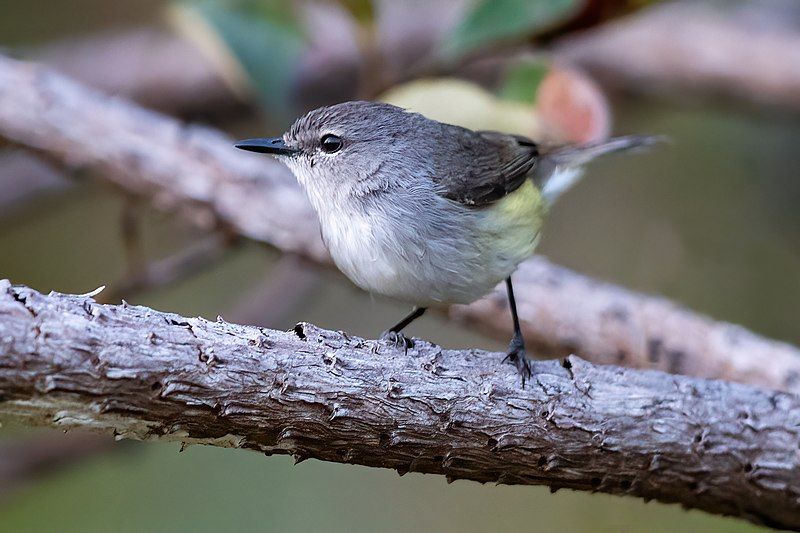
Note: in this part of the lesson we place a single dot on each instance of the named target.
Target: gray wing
(479, 167)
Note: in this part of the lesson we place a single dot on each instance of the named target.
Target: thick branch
(198, 172)
(67, 361)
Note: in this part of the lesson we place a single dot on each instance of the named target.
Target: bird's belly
(417, 282)
(455, 259)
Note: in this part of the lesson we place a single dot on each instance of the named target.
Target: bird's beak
(274, 145)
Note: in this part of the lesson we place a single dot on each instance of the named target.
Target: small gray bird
(426, 212)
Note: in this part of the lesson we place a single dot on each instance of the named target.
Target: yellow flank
(514, 223)
(522, 205)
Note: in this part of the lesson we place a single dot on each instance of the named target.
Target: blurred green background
(711, 220)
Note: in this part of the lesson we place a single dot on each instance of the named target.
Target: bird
(426, 212)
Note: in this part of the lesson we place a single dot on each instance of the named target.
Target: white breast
(361, 250)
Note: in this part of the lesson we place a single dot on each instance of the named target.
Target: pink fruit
(572, 107)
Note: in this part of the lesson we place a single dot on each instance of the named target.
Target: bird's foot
(516, 355)
(397, 339)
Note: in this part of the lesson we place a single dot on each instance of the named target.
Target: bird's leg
(393, 334)
(516, 348)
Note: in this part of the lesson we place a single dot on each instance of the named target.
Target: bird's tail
(561, 166)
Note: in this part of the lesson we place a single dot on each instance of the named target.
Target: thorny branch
(69, 362)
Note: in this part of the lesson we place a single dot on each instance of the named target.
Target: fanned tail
(561, 166)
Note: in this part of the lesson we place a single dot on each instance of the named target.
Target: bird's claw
(397, 339)
(516, 354)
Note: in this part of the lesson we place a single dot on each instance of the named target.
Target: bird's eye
(331, 143)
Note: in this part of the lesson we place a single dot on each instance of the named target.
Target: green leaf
(490, 21)
(266, 40)
(522, 79)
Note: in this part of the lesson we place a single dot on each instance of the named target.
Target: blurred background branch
(746, 51)
(137, 373)
(739, 50)
(152, 66)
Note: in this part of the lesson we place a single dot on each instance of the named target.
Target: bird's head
(347, 147)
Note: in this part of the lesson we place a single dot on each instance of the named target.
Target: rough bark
(68, 362)
(196, 171)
